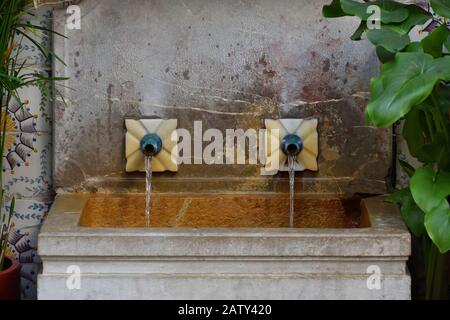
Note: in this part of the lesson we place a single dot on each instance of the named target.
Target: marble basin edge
(61, 235)
(259, 263)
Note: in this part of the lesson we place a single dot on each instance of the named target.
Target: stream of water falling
(291, 164)
(148, 187)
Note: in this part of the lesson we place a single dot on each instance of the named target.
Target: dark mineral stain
(99, 74)
(270, 73)
(326, 65)
(186, 75)
(167, 69)
(262, 61)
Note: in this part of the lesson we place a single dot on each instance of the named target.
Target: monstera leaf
(437, 224)
(441, 7)
(404, 82)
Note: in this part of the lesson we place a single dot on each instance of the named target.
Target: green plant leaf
(414, 47)
(397, 196)
(434, 42)
(404, 82)
(409, 169)
(447, 43)
(429, 188)
(384, 55)
(443, 96)
(390, 11)
(441, 7)
(36, 27)
(359, 32)
(437, 224)
(435, 152)
(413, 132)
(389, 39)
(333, 10)
(411, 213)
(416, 16)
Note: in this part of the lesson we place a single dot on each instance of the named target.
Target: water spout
(151, 145)
(291, 145)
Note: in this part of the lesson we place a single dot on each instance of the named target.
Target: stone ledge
(214, 286)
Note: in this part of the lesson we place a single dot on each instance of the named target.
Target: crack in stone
(360, 94)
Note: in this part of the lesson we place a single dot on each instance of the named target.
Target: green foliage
(437, 223)
(404, 82)
(441, 7)
(411, 213)
(389, 39)
(434, 42)
(414, 85)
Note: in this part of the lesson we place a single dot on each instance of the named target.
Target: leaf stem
(440, 120)
(430, 125)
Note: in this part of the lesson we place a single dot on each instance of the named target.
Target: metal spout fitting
(291, 145)
(151, 144)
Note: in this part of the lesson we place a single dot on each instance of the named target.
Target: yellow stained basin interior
(220, 211)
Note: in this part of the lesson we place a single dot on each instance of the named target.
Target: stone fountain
(193, 71)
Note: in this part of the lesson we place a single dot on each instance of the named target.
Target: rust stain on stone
(219, 211)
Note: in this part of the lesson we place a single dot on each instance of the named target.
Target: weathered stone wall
(229, 64)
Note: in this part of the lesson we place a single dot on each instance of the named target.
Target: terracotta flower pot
(10, 280)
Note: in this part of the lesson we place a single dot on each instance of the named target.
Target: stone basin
(223, 247)
(219, 211)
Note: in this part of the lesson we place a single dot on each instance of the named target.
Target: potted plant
(9, 267)
(16, 73)
(413, 86)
